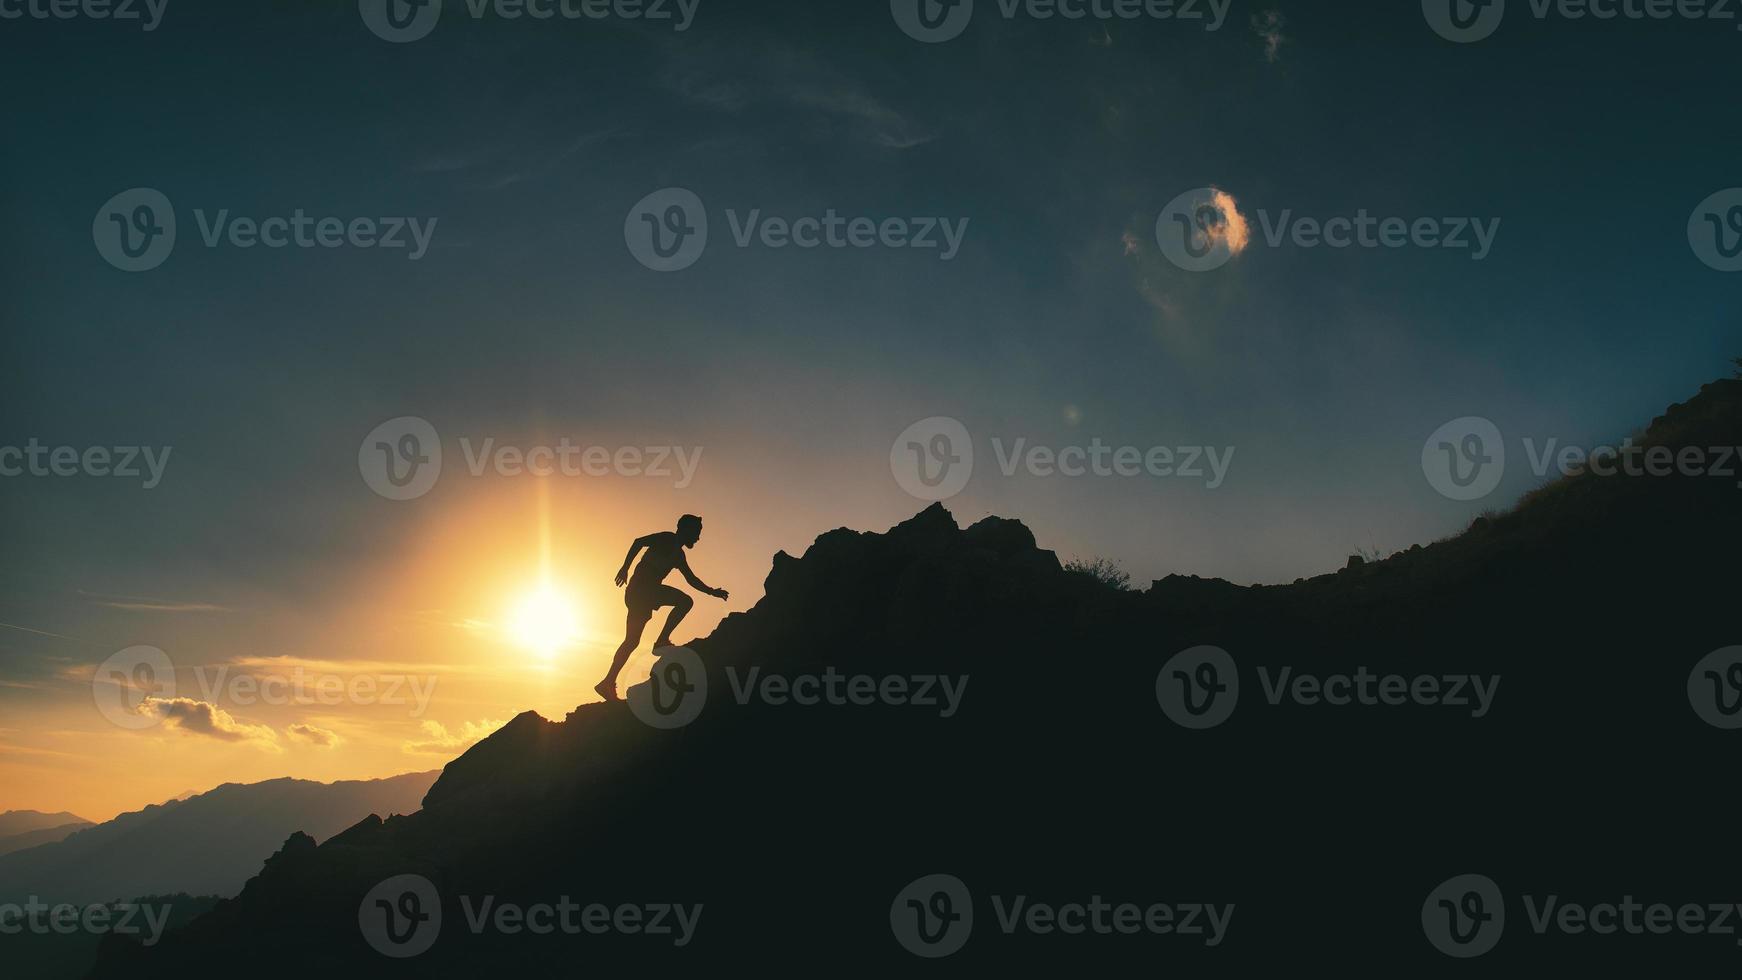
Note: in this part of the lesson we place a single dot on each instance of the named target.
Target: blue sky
(529, 141)
(523, 146)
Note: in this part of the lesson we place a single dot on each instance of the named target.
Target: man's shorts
(647, 598)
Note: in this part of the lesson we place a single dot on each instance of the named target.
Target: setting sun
(544, 621)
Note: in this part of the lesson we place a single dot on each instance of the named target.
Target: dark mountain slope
(1589, 775)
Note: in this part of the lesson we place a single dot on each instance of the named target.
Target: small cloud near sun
(1268, 26)
(1130, 242)
(1233, 228)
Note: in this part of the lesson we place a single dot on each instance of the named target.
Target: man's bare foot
(607, 689)
(663, 642)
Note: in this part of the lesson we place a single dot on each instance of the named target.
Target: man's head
(689, 530)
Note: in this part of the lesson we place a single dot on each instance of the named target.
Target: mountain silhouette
(21, 829)
(1060, 777)
(208, 844)
(14, 822)
(35, 838)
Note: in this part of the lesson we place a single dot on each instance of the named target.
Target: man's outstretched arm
(683, 565)
(629, 559)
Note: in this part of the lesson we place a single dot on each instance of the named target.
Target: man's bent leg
(681, 604)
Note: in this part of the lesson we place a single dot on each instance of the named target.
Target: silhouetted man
(648, 591)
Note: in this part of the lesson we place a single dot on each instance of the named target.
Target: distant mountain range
(35, 838)
(14, 822)
(208, 844)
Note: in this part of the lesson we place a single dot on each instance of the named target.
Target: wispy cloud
(27, 629)
(1159, 301)
(281, 664)
(504, 164)
(714, 93)
(787, 77)
(320, 737)
(1268, 26)
(133, 603)
(880, 124)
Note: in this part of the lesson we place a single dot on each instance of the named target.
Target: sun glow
(545, 621)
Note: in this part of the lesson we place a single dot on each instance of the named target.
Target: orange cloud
(1233, 228)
